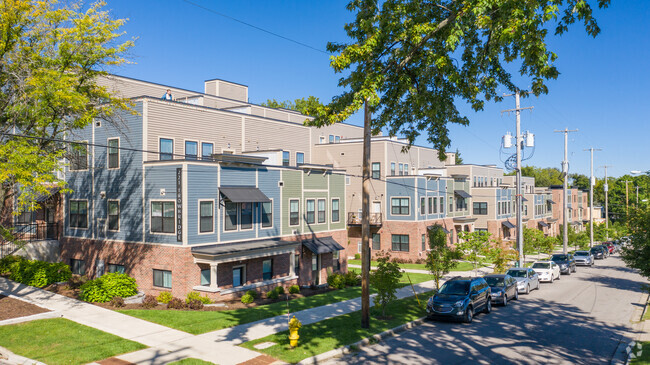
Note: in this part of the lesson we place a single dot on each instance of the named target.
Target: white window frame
(173, 147)
(296, 156)
(198, 149)
(108, 215)
(261, 213)
(289, 206)
(198, 216)
(76, 143)
(201, 157)
(87, 213)
(307, 211)
(239, 215)
(243, 278)
(318, 221)
(151, 215)
(108, 153)
(331, 206)
(400, 197)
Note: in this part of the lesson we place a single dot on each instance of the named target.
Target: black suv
(460, 298)
(566, 263)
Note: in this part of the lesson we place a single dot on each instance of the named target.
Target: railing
(354, 219)
(26, 233)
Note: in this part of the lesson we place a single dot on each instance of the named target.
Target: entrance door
(237, 276)
(50, 226)
(315, 269)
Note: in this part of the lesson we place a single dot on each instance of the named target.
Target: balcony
(354, 219)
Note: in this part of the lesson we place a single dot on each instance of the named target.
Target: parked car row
(460, 298)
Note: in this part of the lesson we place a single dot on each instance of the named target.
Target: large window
(406, 169)
(285, 158)
(331, 140)
(114, 153)
(191, 150)
(300, 158)
(166, 149)
(162, 217)
(480, 208)
(78, 267)
(246, 215)
(376, 241)
(79, 157)
(442, 204)
(78, 213)
(205, 277)
(321, 211)
(267, 269)
(400, 242)
(238, 276)
(311, 211)
(294, 212)
(231, 217)
(392, 169)
(207, 151)
(401, 169)
(430, 205)
(162, 278)
(376, 170)
(206, 216)
(461, 204)
(335, 210)
(116, 268)
(423, 206)
(399, 206)
(113, 215)
(267, 214)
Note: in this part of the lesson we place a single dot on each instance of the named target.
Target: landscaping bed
(15, 308)
(461, 266)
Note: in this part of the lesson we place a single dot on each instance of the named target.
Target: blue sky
(602, 89)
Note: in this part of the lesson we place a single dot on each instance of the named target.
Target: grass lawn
(336, 332)
(404, 280)
(60, 341)
(644, 359)
(461, 266)
(191, 361)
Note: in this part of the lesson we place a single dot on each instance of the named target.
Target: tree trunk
(365, 222)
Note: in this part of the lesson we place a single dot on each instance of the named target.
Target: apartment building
(577, 206)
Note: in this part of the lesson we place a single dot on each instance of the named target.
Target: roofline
(230, 82)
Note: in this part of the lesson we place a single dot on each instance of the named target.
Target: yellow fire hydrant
(294, 326)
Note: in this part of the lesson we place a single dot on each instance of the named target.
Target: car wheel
(516, 294)
(537, 285)
(469, 314)
(528, 289)
(488, 306)
(505, 300)
(558, 277)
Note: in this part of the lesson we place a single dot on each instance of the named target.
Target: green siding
(291, 189)
(337, 190)
(315, 180)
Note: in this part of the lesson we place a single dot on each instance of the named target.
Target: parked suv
(460, 298)
(566, 263)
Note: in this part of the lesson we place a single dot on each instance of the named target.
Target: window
(376, 241)
(400, 206)
(424, 242)
(321, 139)
(231, 216)
(78, 267)
(205, 277)
(116, 268)
(166, 149)
(267, 269)
(461, 204)
(300, 158)
(392, 169)
(238, 276)
(337, 139)
(335, 210)
(114, 153)
(331, 138)
(451, 204)
(423, 206)
(400, 242)
(285, 158)
(267, 214)
(162, 278)
(162, 217)
(79, 157)
(474, 181)
(78, 213)
(435, 206)
(480, 208)
(335, 260)
(113, 215)
(207, 149)
(442, 205)
(406, 169)
(311, 211)
(206, 216)
(321, 210)
(376, 170)
(246, 219)
(294, 212)
(430, 205)
(401, 169)
(296, 267)
(191, 150)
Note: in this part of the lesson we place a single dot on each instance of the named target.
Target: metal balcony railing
(354, 219)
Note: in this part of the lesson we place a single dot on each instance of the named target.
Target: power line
(255, 27)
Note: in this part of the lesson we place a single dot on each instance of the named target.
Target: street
(581, 318)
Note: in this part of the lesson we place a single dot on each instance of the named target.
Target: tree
(302, 105)
(579, 181)
(50, 60)
(385, 279)
(544, 176)
(501, 257)
(637, 253)
(441, 257)
(473, 245)
(537, 241)
(459, 160)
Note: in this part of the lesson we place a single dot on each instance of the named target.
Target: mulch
(15, 308)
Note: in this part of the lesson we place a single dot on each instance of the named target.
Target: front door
(50, 226)
(315, 269)
(237, 276)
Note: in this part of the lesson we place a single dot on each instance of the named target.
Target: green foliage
(294, 289)
(458, 159)
(302, 105)
(535, 241)
(104, 288)
(279, 289)
(247, 298)
(441, 258)
(253, 294)
(473, 245)
(176, 303)
(164, 297)
(385, 279)
(544, 176)
(195, 304)
(357, 256)
(336, 281)
(637, 253)
(273, 294)
(352, 279)
(197, 296)
(33, 272)
(501, 258)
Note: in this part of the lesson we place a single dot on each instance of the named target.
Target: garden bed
(15, 308)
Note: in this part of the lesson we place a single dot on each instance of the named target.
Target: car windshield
(541, 265)
(559, 258)
(581, 253)
(595, 249)
(455, 288)
(517, 273)
(492, 281)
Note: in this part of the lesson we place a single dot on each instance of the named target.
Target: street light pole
(606, 188)
(565, 204)
(592, 182)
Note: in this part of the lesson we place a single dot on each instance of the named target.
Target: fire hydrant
(294, 326)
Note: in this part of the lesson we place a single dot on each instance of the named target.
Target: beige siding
(232, 91)
(268, 134)
(129, 88)
(276, 114)
(210, 87)
(484, 195)
(338, 129)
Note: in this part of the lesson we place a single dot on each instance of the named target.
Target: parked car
(547, 270)
(604, 248)
(610, 247)
(460, 298)
(527, 279)
(584, 258)
(566, 263)
(598, 252)
(503, 288)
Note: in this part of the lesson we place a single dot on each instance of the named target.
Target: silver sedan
(584, 258)
(527, 279)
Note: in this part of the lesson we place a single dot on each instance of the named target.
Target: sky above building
(601, 91)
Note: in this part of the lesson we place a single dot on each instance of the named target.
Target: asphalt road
(579, 319)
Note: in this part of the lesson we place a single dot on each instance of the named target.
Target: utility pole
(606, 188)
(592, 182)
(565, 204)
(365, 222)
(627, 208)
(637, 196)
(519, 146)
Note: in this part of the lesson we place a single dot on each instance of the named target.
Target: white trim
(201, 143)
(145, 156)
(307, 211)
(87, 216)
(219, 207)
(198, 215)
(256, 285)
(108, 215)
(296, 156)
(299, 220)
(173, 148)
(272, 215)
(75, 143)
(151, 216)
(184, 211)
(198, 146)
(230, 150)
(318, 200)
(331, 205)
(400, 197)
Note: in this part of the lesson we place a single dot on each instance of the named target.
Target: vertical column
(213, 276)
(292, 264)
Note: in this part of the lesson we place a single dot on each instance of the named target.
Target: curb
(363, 343)
(8, 357)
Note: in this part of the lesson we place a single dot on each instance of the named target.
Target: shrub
(294, 289)
(357, 256)
(149, 301)
(247, 298)
(253, 294)
(195, 304)
(77, 281)
(164, 297)
(33, 272)
(6, 263)
(279, 289)
(352, 279)
(117, 302)
(108, 286)
(385, 280)
(336, 281)
(197, 296)
(273, 294)
(175, 303)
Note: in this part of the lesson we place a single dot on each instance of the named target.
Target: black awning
(240, 247)
(508, 224)
(437, 225)
(320, 245)
(462, 194)
(50, 192)
(543, 224)
(550, 201)
(244, 194)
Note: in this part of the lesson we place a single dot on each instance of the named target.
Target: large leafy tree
(544, 176)
(637, 253)
(51, 56)
(474, 245)
(441, 257)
